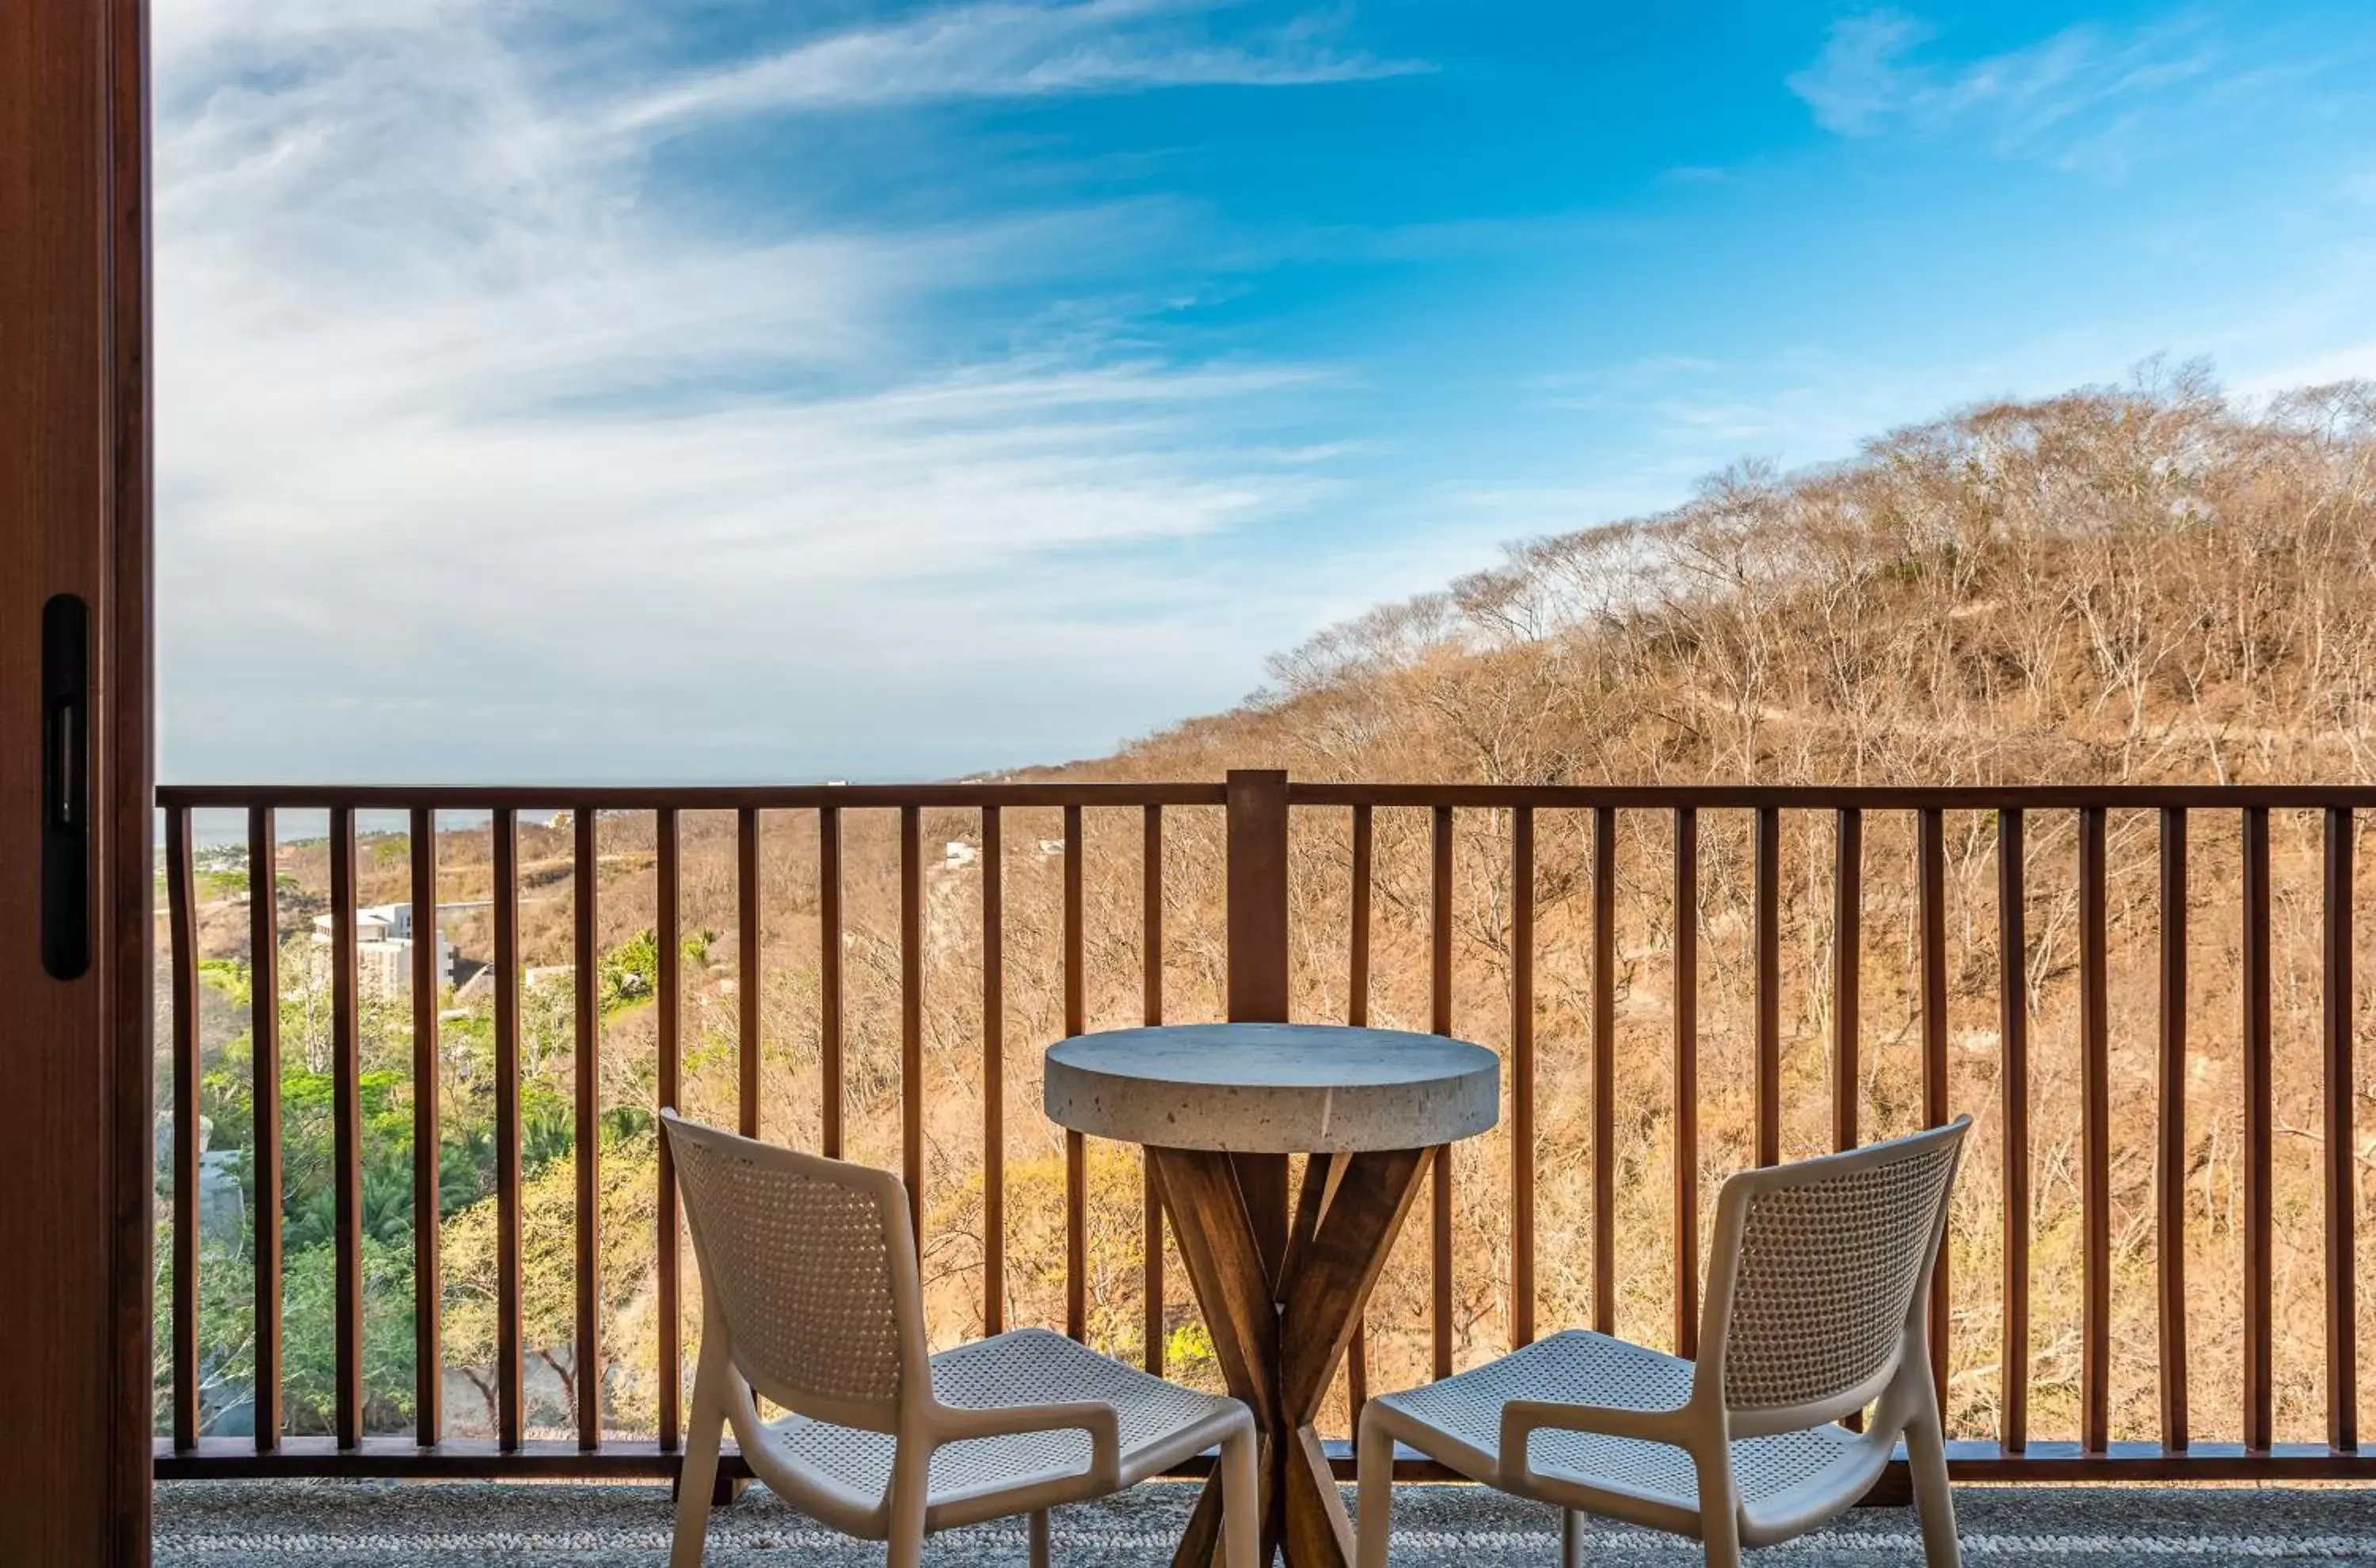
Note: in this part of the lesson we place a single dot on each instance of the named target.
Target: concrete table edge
(1272, 1088)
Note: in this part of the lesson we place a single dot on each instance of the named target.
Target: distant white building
(960, 853)
(383, 939)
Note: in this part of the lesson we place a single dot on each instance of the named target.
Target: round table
(1219, 1107)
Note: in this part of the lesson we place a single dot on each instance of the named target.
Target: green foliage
(226, 1364)
(228, 978)
(628, 975)
(309, 1321)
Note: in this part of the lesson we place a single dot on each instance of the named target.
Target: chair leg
(1374, 1492)
(705, 1430)
(1926, 1458)
(911, 1472)
(1720, 1535)
(1241, 1500)
(1038, 1538)
(1719, 1502)
(1570, 1538)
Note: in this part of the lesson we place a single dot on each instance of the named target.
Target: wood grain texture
(1150, 963)
(1521, 1077)
(2260, 1143)
(829, 994)
(1438, 1012)
(1931, 856)
(78, 1133)
(669, 1000)
(1767, 1086)
(1280, 1332)
(180, 904)
(750, 938)
(1076, 1147)
(1604, 1070)
(2170, 1146)
(1685, 1157)
(347, 1132)
(2096, 1143)
(2339, 1166)
(264, 1031)
(2013, 1028)
(428, 1280)
(510, 1390)
(911, 1015)
(994, 1074)
(586, 1163)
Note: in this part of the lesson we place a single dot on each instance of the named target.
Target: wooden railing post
(1257, 892)
(1258, 928)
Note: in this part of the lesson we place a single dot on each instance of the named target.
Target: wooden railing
(1258, 807)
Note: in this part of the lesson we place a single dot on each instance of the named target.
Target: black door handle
(65, 787)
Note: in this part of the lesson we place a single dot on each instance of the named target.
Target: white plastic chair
(812, 1299)
(1817, 1295)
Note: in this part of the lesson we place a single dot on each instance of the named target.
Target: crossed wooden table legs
(1281, 1308)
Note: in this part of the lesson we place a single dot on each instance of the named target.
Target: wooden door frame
(76, 1104)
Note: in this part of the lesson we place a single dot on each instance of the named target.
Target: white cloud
(2075, 99)
(476, 439)
(1002, 50)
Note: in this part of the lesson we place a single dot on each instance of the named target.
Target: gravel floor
(431, 1524)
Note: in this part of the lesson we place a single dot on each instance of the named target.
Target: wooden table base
(1281, 1300)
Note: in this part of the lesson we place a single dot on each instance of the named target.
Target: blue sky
(741, 391)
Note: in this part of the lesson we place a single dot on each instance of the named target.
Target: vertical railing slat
(1848, 961)
(1686, 981)
(586, 1162)
(994, 1074)
(1077, 1146)
(346, 1055)
(264, 1026)
(668, 876)
(911, 1016)
(428, 1285)
(1848, 957)
(180, 904)
(1440, 1021)
(1604, 1069)
(2260, 1380)
(2336, 1020)
(1930, 843)
(1151, 1013)
(1768, 878)
(1522, 1077)
(829, 1026)
(2096, 1141)
(2012, 1028)
(1357, 985)
(1357, 1013)
(749, 933)
(510, 1396)
(2169, 1151)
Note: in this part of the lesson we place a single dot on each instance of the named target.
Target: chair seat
(1161, 1424)
(1461, 1418)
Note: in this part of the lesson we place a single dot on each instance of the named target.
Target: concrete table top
(1272, 1088)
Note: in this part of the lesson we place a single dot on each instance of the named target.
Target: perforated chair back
(808, 1266)
(1818, 1271)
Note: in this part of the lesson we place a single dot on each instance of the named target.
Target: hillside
(2145, 584)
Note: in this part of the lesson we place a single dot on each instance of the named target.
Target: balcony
(2145, 995)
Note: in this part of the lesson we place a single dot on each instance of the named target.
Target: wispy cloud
(2075, 99)
(467, 416)
(1001, 49)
